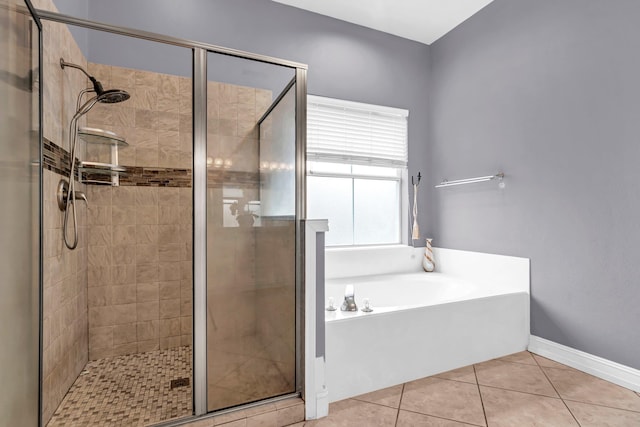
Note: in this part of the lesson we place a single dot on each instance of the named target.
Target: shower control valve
(63, 191)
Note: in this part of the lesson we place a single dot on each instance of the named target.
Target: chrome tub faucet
(349, 303)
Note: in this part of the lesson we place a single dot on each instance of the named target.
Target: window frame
(401, 178)
(403, 205)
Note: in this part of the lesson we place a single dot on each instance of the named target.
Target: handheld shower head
(110, 96)
(104, 96)
(113, 96)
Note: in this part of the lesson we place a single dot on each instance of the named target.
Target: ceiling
(424, 21)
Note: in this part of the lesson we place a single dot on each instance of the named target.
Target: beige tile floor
(519, 390)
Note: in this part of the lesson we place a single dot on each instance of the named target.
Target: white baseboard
(597, 366)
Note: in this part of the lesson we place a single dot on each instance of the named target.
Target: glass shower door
(251, 232)
(19, 214)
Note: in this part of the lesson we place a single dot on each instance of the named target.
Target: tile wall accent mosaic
(156, 177)
(56, 159)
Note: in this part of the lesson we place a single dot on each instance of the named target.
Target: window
(357, 160)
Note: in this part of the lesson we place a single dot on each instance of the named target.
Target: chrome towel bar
(446, 183)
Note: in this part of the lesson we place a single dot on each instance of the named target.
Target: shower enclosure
(183, 295)
(20, 212)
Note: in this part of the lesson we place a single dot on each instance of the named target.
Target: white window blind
(350, 132)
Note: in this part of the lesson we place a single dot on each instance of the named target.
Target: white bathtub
(393, 292)
(422, 324)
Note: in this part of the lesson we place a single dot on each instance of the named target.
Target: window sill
(357, 248)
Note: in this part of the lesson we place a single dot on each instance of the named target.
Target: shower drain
(180, 382)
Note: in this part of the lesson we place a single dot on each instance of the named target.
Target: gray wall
(345, 61)
(549, 92)
(80, 9)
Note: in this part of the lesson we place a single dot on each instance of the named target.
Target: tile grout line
(400, 404)
(569, 368)
(542, 368)
(373, 403)
(565, 367)
(520, 391)
(449, 379)
(507, 361)
(484, 412)
(602, 406)
(443, 418)
(558, 393)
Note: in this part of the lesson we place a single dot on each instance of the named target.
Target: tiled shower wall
(65, 330)
(140, 268)
(65, 327)
(156, 120)
(140, 236)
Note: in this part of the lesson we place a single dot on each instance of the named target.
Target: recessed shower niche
(180, 298)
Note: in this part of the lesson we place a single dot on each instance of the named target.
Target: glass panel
(332, 199)
(277, 158)
(376, 206)
(250, 232)
(128, 284)
(19, 215)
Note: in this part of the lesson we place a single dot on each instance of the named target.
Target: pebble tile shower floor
(131, 390)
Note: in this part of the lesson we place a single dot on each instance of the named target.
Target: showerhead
(113, 96)
(110, 96)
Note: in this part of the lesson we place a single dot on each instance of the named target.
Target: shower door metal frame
(36, 260)
(199, 114)
(200, 388)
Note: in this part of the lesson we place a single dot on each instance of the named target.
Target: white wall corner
(616, 373)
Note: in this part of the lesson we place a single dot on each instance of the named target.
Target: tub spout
(349, 303)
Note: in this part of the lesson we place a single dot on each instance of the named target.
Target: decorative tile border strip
(56, 159)
(155, 177)
(219, 178)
